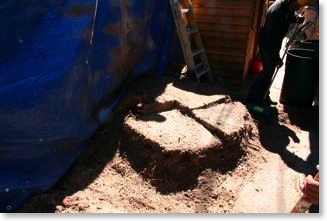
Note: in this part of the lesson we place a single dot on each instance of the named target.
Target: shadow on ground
(275, 137)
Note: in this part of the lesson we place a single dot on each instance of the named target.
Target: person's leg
(262, 83)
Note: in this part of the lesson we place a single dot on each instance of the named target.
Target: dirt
(120, 174)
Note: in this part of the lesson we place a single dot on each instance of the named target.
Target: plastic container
(301, 77)
(310, 44)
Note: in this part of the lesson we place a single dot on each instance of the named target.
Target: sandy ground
(109, 176)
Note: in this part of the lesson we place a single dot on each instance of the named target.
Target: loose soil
(152, 156)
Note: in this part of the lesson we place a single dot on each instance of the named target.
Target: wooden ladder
(190, 39)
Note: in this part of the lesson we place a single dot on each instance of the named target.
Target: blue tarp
(61, 62)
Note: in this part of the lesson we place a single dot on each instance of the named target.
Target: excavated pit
(177, 133)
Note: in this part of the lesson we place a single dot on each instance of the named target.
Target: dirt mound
(183, 132)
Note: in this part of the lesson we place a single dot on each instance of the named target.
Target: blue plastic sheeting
(63, 67)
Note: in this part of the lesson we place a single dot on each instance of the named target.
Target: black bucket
(301, 77)
(310, 44)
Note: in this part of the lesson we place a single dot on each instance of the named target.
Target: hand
(300, 19)
(310, 189)
(279, 63)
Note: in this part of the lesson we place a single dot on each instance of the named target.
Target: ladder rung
(188, 9)
(197, 51)
(192, 31)
(202, 71)
(201, 68)
(199, 65)
(185, 10)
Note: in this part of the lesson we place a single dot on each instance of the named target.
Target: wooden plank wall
(229, 29)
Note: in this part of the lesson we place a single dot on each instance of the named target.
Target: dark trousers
(260, 86)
